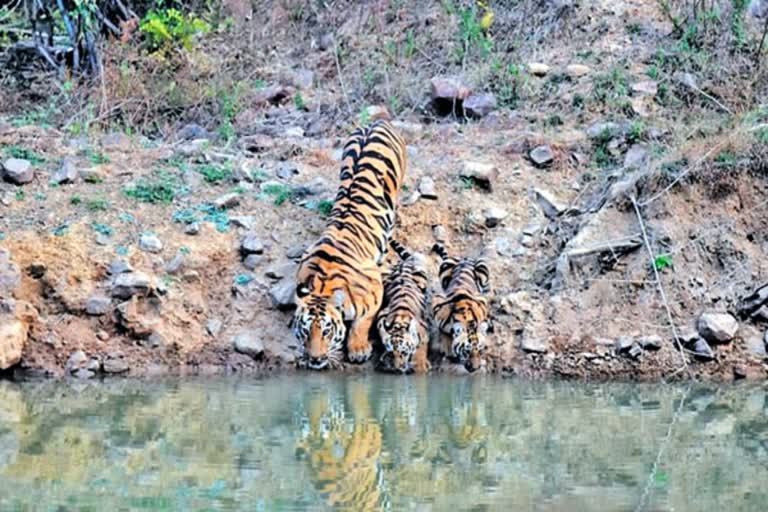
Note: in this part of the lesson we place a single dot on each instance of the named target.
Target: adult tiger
(462, 312)
(339, 279)
(403, 322)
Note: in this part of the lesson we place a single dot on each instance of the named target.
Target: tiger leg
(358, 343)
(420, 359)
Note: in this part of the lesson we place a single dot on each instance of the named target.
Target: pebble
(227, 201)
(479, 105)
(213, 327)
(149, 242)
(127, 285)
(624, 343)
(542, 156)
(192, 229)
(493, 216)
(538, 68)
(377, 112)
(533, 346)
(66, 173)
(18, 171)
(650, 342)
(439, 233)
(577, 70)
(76, 360)
(119, 267)
(703, 351)
(252, 261)
(173, 266)
(296, 252)
(115, 363)
(247, 343)
(295, 132)
(427, 188)
(282, 294)
(97, 305)
(155, 340)
(717, 327)
(251, 244)
(503, 247)
(102, 335)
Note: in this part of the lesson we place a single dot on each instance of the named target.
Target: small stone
(439, 233)
(247, 343)
(623, 344)
(600, 130)
(542, 156)
(252, 261)
(191, 149)
(243, 221)
(127, 285)
(313, 188)
(227, 201)
(295, 132)
(149, 242)
(115, 364)
(102, 239)
(482, 173)
(427, 188)
(175, 264)
(192, 229)
(646, 87)
(636, 157)
(155, 340)
(503, 247)
(13, 337)
(84, 374)
(296, 252)
(650, 342)
(757, 345)
(550, 205)
(192, 131)
(635, 351)
(577, 70)
(449, 88)
(18, 171)
(479, 105)
(687, 79)
(92, 175)
(287, 170)
(281, 271)
(76, 361)
(213, 327)
(66, 173)
(533, 346)
(10, 274)
(102, 335)
(119, 267)
(191, 276)
(97, 305)
(717, 327)
(688, 336)
(251, 244)
(410, 130)
(703, 351)
(538, 68)
(283, 294)
(494, 216)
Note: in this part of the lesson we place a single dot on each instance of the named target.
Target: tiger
(462, 312)
(403, 320)
(339, 279)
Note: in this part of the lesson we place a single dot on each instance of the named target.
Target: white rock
(538, 68)
(577, 70)
(18, 171)
(717, 327)
(149, 242)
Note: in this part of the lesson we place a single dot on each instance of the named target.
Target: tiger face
(400, 337)
(469, 328)
(320, 329)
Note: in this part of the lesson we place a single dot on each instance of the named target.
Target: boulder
(479, 105)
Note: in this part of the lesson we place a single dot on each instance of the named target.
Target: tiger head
(400, 337)
(319, 327)
(469, 326)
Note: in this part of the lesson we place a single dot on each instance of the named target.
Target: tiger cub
(462, 311)
(339, 279)
(403, 322)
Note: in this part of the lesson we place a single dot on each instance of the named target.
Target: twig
(341, 78)
(111, 26)
(47, 56)
(658, 281)
(760, 46)
(711, 98)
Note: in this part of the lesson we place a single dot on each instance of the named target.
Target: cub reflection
(341, 442)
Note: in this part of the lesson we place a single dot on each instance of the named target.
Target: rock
(191, 149)
(302, 78)
(623, 344)
(83, 374)
(149, 242)
(482, 173)
(10, 274)
(313, 188)
(102, 335)
(325, 42)
(504, 247)
(114, 140)
(538, 68)
(13, 337)
(636, 157)
(410, 130)
(550, 205)
(757, 344)
(427, 188)
(192, 131)
(439, 233)
(717, 327)
(281, 271)
(97, 305)
(92, 175)
(127, 285)
(600, 130)
(192, 229)
(18, 171)
(493, 216)
(282, 294)
(252, 261)
(287, 170)
(515, 303)
(646, 87)
(375, 112)
(296, 252)
(243, 221)
(173, 266)
(119, 267)
(248, 344)
(542, 156)
(577, 70)
(449, 88)
(66, 173)
(213, 327)
(273, 94)
(703, 351)
(77, 360)
(294, 132)
(227, 201)
(533, 346)
(688, 336)
(650, 342)
(479, 105)
(155, 340)
(251, 244)
(115, 363)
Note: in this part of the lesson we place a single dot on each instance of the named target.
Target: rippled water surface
(380, 442)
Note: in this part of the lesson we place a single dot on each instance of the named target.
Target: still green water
(306, 442)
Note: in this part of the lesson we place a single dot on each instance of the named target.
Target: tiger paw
(359, 352)
(422, 366)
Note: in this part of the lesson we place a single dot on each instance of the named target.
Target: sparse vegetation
(279, 193)
(213, 173)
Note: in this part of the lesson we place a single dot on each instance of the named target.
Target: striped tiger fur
(339, 279)
(462, 311)
(403, 320)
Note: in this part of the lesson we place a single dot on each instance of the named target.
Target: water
(315, 442)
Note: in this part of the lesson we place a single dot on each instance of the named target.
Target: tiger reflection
(342, 443)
